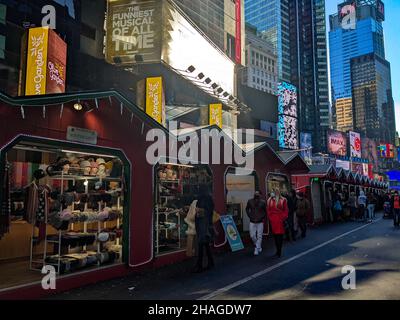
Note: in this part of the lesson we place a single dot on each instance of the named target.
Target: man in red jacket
(277, 211)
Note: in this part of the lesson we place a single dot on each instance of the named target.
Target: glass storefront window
(177, 187)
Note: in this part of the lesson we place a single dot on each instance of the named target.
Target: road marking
(275, 266)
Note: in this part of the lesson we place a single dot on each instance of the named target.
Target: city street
(310, 268)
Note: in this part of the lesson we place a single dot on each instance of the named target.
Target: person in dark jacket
(303, 209)
(256, 211)
(204, 228)
(291, 233)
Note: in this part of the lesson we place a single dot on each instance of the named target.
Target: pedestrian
(396, 209)
(362, 205)
(352, 204)
(204, 228)
(277, 211)
(371, 206)
(256, 211)
(292, 206)
(303, 209)
(337, 206)
(328, 205)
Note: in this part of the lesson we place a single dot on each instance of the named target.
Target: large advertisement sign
(337, 143)
(38, 40)
(380, 6)
(370, 151)
(306, 146)
(154, 99)
(343, 164)
(386, 151)
(133, 31)
(357, 168)
(46, 62)
(287, 121)
(216, 114)
(355, 145)
(185, 47)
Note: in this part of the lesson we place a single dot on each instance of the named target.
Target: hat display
(100, 161)
(39, 174)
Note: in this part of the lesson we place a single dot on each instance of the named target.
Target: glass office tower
(271, 18)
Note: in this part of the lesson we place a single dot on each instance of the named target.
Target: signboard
(238, 32)
(46, 62)
(365, 169)
(337, 143)
(215, 114)
(81, 135)
(343, 164)
(370, 151)
(231, 232)
(133, 31)
(355, 144)
(306, 146)
(154, 99)
(357, 168)
(38, 39)
(287, 119)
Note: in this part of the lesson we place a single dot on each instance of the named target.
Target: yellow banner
(154, 99)
(36, 69)
(216, 114)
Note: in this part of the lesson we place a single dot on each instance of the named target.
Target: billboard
(355, 144)
(357, 168)
(386, 151)
(133, 31)
(343, 164)
(370, 151)
(306, 146)
(380, 7)
(184, 46)
(215, 111)
(337, 143)
(154, 99)
(46, 62)
(287, 119)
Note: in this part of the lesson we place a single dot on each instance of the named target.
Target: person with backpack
(362, 205)
(277, 212)
(303, 209)
(396, 209)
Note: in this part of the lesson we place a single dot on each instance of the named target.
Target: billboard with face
(355, 145)
(287, 109)
(337, 143)
(370, 151)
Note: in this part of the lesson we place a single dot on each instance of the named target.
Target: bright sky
(391, 28)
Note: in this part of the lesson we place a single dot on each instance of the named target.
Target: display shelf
(81, 177)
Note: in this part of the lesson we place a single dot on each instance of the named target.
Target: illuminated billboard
(343, 164)
(370, 151)
(287, 119)
(355, 144)
(306, 146)
(133, 31)
(337, 143)
(386, 151)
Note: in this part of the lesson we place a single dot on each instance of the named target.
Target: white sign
(81, 135)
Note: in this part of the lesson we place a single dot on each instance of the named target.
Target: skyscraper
(309, 68)
(271, 18)
(347, 42)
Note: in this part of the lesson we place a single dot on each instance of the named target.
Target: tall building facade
(344, 114)
(373, 105)
(261, 70)
(223, 21)
(309, 66)
(271, 18)
(365, 36)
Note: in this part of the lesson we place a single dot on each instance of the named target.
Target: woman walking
(277, 212)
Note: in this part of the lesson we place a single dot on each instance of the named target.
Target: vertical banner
(216, 114)
(56, 64)
(36, 61)
(355, 144)
(238, 33)
(154, 99)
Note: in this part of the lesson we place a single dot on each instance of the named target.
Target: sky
(391, 27)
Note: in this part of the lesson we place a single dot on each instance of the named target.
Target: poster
(133, 31)
(35, 83)
(154, 99)
(231, 232)
(56, 64)
(343, 164)
(287, 119)
(215, 117)
(357, 168)
(370, 151)
(355, 144)
(306, 146)
(337, 143)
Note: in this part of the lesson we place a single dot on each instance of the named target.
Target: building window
(2, 47)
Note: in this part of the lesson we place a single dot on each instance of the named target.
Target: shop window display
(177, 186)
(64, 209)
(278, 181)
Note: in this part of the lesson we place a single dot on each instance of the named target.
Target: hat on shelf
(100, 161)
(85, 164)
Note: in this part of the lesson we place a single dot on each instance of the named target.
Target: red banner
(56, 64)
(238, 35)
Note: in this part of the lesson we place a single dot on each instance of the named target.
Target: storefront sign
(154, 99)
(231, 232)
(133, 31)
(216, 114)
(355, 144)
(337, 143)
(46, 62)
(36, 61)
(81, 135)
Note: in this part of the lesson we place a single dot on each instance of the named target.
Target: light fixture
(214, 86)
(220, 90)
(78, 106)
(207, 81)
(86, 183)
(191, 69)
(201, 75)
(225, 94)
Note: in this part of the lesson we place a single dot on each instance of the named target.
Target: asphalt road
(310, 268)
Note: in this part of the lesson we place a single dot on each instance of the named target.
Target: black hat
(39, 174)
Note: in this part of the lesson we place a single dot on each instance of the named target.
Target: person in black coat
(292, 205)
(204, 228)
